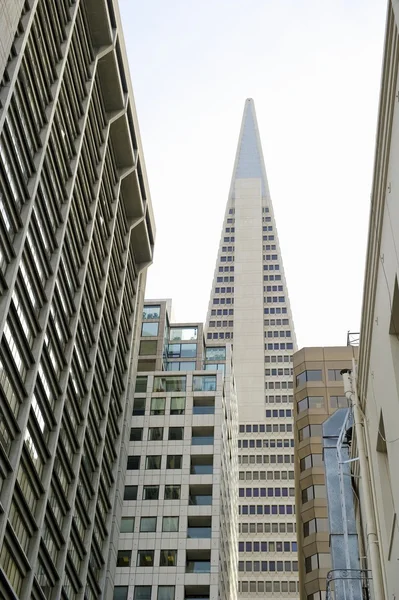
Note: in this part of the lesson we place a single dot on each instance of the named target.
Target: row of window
(279, 385)
(228, 335)
(226, 269)
(266, 475)
(276, 334)
(277, 346)
(225, 279)
(259, 527)
(149, 524)
(286, 358)
(266, 459)
(271, 277)
(266, 509)
(275, 311)
(269, 587)
(278, 399)
(222, 311)
(167, 558)
(221, 323)
(271, 267)
(270, 492)
(223, 301)
(281, 412)
(172, 383)
(227, 259)
(144, 592)
(268, 566)
(152, 492)
(227, 248)
(317, 375)
(311, 402)
(267, 546)
(224, 290)
(269, 442)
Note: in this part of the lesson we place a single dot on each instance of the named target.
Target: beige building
(378, 371)
(318, 392)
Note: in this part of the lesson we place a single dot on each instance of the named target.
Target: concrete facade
(318, 392)
(249, 307)
(177, 527)
(378, 374)
(76, 237)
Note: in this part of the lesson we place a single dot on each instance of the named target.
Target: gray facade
(177, 527)
(76, 236)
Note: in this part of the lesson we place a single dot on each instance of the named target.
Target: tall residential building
(178, 520)
(249, 307)
(76, 236)
(318, 392)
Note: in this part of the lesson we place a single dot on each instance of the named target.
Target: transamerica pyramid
(249, 307)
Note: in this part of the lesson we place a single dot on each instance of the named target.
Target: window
(314, 525)
(176, 365)
(215, 353)
(176, 433)
(204, 406)
(153, 462)
(199, 527)
(182, 350)
(155, 434)
(148, 347)
(151, 312)
(166, 592)
(317, 561)
(124, 558)
(133, 463)
(168, 558)
(172, 492)
(120, 592)
(138, 407)
(313, 491)
(149, 329)
(310, 431)
(204, 383)
(157, 406)
(127, 525)
(142, 592)
(145, 558)
(183, 334)
(201, 464)
(169, 384)
(310, 402)
(312, 375)
(141, 385)
(202, 436)
(339, 402)
(130, 492)
(148, 524)
(170, 524)
(136, 434)
(174, 461)
(334, 375)
(151, 492)
(200, 495)
(311, 460)
(177, 406)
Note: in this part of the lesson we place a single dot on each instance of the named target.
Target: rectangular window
(127, 525)
(174, 461)
(339, 402)
(183, 334)
(149, 330)
(168, 558)
(151, 492)
(124, 558)
(141, 385)
(155, 434)
(133, 463)
(151, 312)
(172, 492)
(311, 375)
(176, 433)
(145, 558)
(142, 592)
(153, 462)
(166, 592)
(170, 524)
(138, 407)
(148, 524)
(204, 383)
(334, 375)
(130, 492)
(169, 384)
(158, 406)
(177, 406)
(148, 347)
(136, 434)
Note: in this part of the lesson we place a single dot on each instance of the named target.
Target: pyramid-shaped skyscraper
(249, 306)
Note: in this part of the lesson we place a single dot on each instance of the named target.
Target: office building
(178, 520)
(378, 374)
(249, 307)
(318, 392)
(76, 236)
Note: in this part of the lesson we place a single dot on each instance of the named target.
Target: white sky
(313, 70)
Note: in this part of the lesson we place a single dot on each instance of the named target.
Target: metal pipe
(349, 379)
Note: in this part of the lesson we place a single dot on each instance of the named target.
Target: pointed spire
(249, 161)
